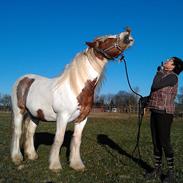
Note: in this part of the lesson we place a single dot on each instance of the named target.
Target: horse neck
(84, 67)
(97, 64)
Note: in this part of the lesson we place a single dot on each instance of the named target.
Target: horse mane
(76, 71)
(101, 81)
(103, 38)
(68, 70)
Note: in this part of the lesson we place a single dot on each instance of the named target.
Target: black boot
(156, 173)
(170, 177)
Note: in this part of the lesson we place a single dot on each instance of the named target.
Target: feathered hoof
(78, 166)
(55, 168)
(32, 156)
(17, 159)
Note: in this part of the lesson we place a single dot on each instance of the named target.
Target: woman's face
(169, 65)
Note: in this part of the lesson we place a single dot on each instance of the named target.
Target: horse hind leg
(75, 158)
(18, 98)
(29, 130)
(16, 154)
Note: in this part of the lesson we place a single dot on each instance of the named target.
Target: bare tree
(179, 103)
(5, 102)
(123, 100)
(180, 96)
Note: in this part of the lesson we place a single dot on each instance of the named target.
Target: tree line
(5, 102)
(124, 101)
(128, 102)
(179, 101)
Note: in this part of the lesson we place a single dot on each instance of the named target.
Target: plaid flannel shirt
(163, 99)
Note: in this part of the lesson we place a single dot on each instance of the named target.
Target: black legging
(160, 130)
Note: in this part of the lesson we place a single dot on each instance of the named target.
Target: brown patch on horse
(40, 115)
(22, 92)
(85, 99)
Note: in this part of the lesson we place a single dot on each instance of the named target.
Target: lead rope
(140, 111)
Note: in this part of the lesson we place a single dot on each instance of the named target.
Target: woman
(162, 107)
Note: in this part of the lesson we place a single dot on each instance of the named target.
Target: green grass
(106, 148)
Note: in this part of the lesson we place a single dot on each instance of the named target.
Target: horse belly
(42, 112)
(39, 103)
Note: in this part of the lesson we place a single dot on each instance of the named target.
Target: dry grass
(113, 115)
(106, 149)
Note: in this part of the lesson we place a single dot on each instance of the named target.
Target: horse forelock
(103, 38)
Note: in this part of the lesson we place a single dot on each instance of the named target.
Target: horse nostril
(126, 39)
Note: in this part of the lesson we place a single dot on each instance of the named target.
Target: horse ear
(91, 44)
(128, 29)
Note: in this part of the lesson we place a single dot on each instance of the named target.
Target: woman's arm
(161, 82)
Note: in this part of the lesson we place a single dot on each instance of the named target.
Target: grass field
(107, 144)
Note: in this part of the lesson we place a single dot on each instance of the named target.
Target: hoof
(78, 166)
(33, 156)
(55, 168)
(17, 160)
(20, 167)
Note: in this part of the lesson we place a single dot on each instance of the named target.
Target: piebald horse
(66, 98)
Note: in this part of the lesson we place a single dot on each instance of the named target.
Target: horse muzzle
(128, 40)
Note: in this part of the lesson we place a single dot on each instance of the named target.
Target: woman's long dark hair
(178, 65)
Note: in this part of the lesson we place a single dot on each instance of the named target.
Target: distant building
(114, 109)
(98, 109)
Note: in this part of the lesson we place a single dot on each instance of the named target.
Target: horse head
(111, 46)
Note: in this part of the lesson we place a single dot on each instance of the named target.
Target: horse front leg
(54, 160)
(75, 158)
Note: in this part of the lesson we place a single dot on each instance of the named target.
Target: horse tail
(17, 120)
(18, 98)
(25, 124)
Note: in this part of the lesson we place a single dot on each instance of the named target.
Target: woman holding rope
(162, 107)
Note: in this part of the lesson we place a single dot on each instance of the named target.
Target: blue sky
(42, 36)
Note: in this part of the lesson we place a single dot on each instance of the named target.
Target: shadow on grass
(44, 138)
(106, 141)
